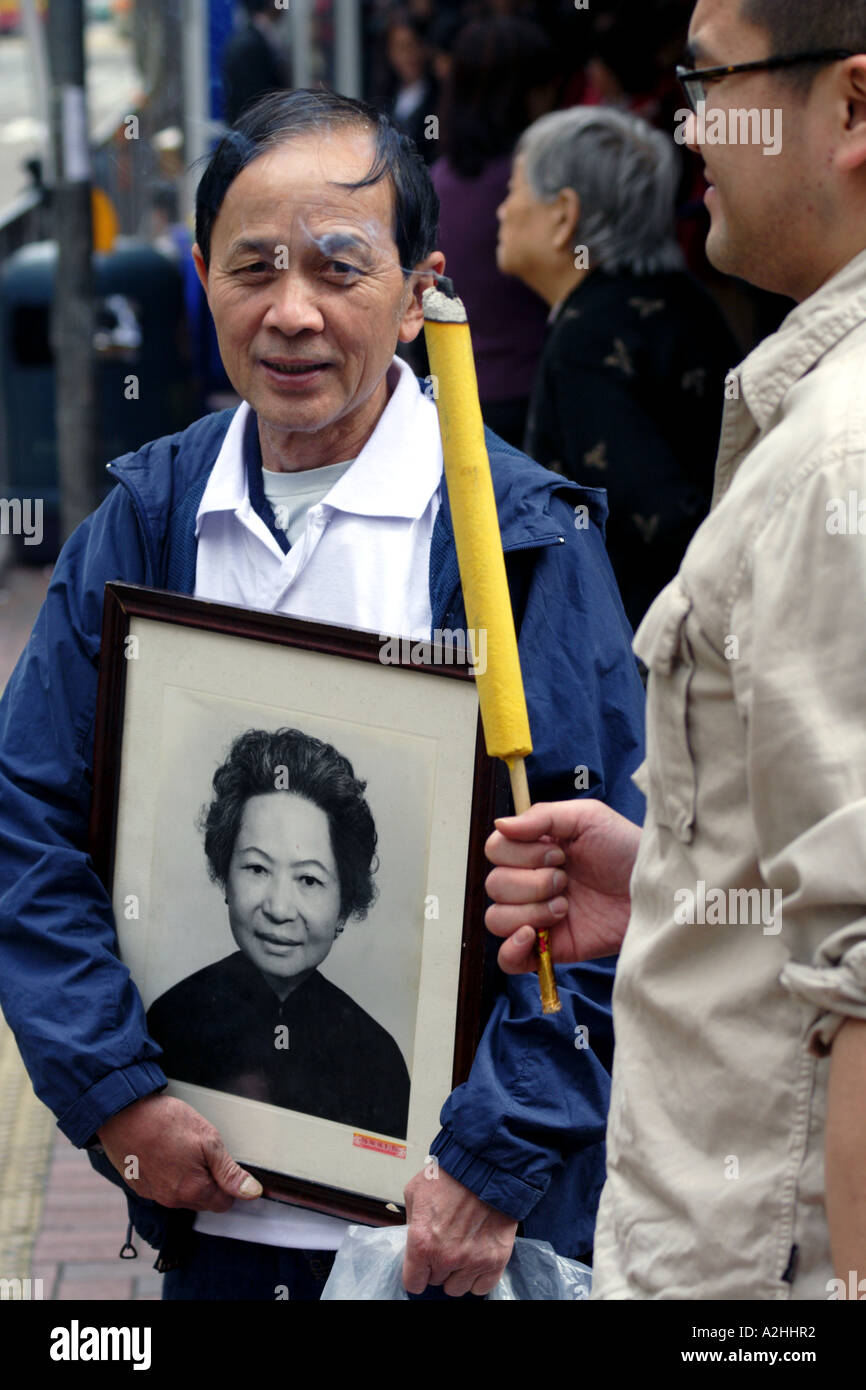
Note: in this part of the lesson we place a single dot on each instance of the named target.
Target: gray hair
(626, 175)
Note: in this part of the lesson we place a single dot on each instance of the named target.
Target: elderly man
(628, 391)
(737, 1135)
(322, 497)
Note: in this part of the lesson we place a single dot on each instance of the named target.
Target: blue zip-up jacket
(526, 1131)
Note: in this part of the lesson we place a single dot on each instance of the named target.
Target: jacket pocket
(663, 646)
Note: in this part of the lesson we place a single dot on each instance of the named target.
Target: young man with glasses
(737, 1131)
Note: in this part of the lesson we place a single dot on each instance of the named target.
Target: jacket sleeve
(538, 1091)
(77, 1017)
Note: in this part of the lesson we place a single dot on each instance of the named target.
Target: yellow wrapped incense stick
(481, 561)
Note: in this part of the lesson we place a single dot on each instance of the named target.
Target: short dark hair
(278, 117)
(803, 26)
(259, 763)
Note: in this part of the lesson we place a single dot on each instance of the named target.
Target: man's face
(305, 274)
(763, 209)
(283, 886)
(525, 226)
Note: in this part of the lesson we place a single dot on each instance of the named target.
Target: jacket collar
(173, 470)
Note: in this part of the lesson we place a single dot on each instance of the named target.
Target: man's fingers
(517, 954)
(563, 820)
(486, 1283)
(505, 921)
(460, 1282)
(519, 854)
(228, 1175)
(525, 885)
(416, 1267)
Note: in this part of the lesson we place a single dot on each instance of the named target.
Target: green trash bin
(143, 386)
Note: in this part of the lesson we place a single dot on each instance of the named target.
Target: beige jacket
(727, 1002)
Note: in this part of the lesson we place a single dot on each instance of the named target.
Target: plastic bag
(369, 1265)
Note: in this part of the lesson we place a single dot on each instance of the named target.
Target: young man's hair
(806, 26)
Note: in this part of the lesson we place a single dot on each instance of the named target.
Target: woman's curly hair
(260, 762)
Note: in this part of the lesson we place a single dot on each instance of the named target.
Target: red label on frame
(381, 1146)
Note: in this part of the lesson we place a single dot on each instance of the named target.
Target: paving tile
(48, 1272)
(94, 1290)
(81, 1270)
(78, 1245)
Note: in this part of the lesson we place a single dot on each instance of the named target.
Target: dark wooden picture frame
(128, 612)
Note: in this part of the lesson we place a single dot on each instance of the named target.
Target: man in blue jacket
(321, 496)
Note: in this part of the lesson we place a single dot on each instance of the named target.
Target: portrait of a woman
(290, 839)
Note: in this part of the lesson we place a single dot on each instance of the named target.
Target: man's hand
(565, 866)
(165, 1150)
(454, 1238)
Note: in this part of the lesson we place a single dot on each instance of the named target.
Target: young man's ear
(852, 150)
(413, 315)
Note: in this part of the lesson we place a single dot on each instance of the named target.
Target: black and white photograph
(289, 863)
(290, 842)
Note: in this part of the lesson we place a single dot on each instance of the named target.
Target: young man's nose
(692, 133)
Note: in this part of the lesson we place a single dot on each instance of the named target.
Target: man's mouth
(293, 368)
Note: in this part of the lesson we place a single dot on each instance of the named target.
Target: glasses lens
(695, 93)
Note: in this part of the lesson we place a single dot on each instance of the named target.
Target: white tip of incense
(438, 308)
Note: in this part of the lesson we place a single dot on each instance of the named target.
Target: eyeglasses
(693, 80)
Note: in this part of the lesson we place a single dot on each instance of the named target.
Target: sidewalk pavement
(59, 1221)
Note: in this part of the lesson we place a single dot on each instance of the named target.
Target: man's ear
(851, 153)
(200, 267)
(412, 320)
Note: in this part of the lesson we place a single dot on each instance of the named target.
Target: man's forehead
(718, 34)
(295, 190)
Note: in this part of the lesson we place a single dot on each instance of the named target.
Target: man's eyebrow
(260, 245)
(333, 243)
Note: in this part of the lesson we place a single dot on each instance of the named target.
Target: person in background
(253, 60)
(503, 76)
(416, 97)
(629, 390)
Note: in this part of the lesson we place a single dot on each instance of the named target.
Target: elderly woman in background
(290, 839)
(629, 390)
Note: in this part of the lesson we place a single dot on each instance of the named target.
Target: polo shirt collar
(395, 474)
(400, 467)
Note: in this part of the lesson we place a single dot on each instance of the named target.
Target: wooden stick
(550, 1003)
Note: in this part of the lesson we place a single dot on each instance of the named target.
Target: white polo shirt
(362, 560)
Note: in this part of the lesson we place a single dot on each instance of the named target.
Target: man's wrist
(508, 1194)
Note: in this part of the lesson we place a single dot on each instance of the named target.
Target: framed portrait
(289, 818)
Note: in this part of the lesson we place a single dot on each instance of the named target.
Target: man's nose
(294, 304)
(691, 137)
